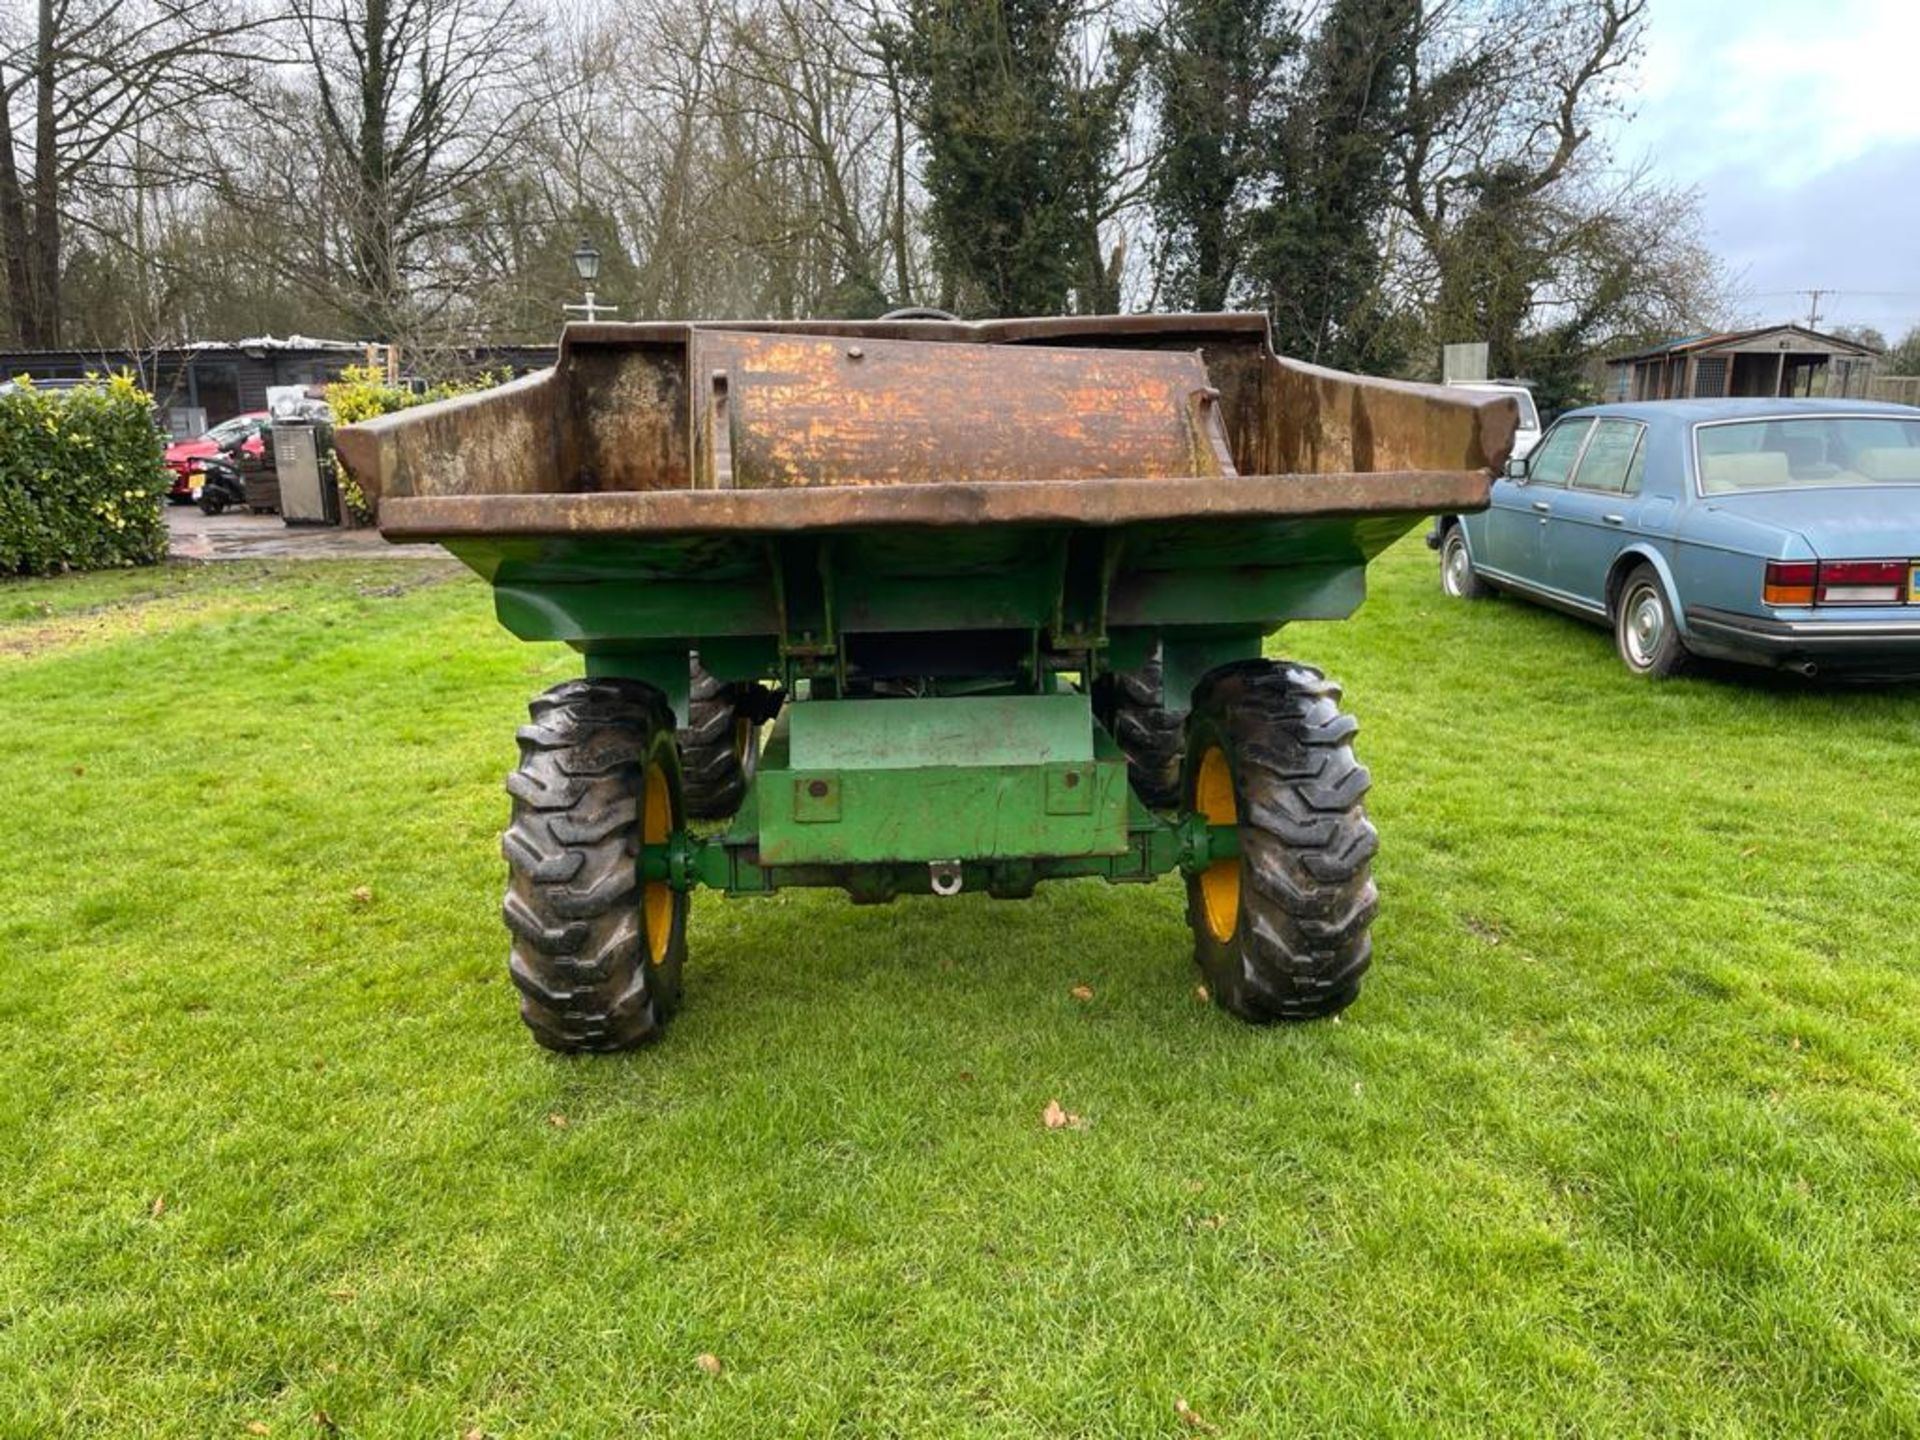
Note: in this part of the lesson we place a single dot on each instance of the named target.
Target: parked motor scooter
(220, 483)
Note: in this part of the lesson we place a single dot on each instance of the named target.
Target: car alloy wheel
(1458, 568)
(1643, 627)
(1457, 578)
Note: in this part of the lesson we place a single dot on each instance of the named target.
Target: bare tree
(1515, 223)
(1508, 92)
(814, 81)
(79, 80)
(398, 113)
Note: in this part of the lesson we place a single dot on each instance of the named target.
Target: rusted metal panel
(630, 409)
(1320, 420)
(1233, 347)
(627, 418)
(1186, 331)
(507, 441)
(1096, 502)
(809, 410)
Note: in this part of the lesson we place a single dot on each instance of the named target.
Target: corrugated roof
(272, 342)
(1735, 337)
(258, 344)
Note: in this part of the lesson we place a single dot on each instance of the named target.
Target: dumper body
(928, 550)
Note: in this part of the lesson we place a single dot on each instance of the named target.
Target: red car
(185, 456)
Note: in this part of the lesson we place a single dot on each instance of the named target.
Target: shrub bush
(361, 393)
(81, 479)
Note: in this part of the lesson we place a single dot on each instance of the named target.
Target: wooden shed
(1774, 361)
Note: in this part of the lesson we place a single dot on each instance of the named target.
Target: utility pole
(1813, 310)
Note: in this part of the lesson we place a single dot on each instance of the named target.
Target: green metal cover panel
(866, 781)
(919, 734)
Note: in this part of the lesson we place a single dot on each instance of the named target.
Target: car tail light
(1861, 582)
(1790, 582)
(1835, 582)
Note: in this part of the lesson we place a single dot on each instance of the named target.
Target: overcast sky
(1799, 120)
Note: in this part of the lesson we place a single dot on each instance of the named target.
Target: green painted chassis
(912, 802)
(998, 775)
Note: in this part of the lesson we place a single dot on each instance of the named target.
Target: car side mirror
(1516, 468)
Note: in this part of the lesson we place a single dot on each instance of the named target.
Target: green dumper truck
(919, 606)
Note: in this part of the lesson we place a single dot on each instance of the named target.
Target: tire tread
(1307, 896)
(572, 905)
(1132, 705)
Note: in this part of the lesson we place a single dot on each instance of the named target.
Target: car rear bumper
(1854, 645)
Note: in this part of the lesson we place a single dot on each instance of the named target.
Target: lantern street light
(586, 264)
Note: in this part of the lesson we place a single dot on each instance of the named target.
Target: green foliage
(362, 392)
(1555, 363)
(1904, 358)
(1495, 257)
(81, 479)
(1319, 257)
(1020, 152)
(1273, 188)
(1220, 93)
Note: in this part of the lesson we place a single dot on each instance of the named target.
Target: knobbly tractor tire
(596, 953)
(1281, 932)
(720, 743)
(1132, 706)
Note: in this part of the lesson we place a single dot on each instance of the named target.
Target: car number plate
(1913, 583)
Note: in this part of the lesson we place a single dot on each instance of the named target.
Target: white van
(1528, 435)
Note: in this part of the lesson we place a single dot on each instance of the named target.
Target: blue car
(1772, 532)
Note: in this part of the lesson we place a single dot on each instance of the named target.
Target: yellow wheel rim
(1220, 882)
(656, 897)
(742, 738)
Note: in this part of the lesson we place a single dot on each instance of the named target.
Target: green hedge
(362, 392)
(81, 479)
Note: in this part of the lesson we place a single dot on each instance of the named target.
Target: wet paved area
(267, 537)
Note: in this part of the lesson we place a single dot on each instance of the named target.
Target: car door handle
(1543, 507)
(1614, 519)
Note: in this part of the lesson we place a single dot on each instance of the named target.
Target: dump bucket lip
(1082, 502)
(1018, 330)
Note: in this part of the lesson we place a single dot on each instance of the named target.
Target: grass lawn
(1620, 1138)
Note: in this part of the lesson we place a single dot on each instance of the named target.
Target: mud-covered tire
(1132, 706)
(1282, 932)
(596, 954)
(719, 744)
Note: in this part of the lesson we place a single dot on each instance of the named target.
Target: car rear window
(1793, 454)
(227, 429)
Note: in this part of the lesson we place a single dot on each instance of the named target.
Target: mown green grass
(1620, 1137)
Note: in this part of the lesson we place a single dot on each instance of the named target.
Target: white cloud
(1782, 90)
